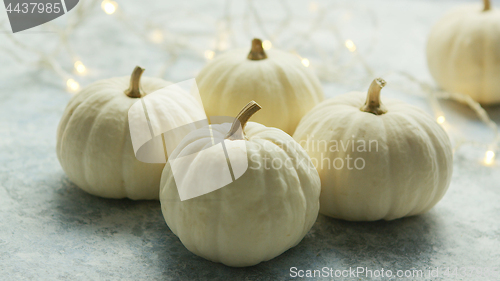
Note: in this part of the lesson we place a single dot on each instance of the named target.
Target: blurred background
(49, 228)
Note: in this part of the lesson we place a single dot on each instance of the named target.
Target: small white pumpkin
(376, 161)
(257, 216)
(93, 139)
(276, 79)
(463, 52)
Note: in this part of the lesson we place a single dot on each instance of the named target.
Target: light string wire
(330, 67)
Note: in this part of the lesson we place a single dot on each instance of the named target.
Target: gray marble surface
(50, 229)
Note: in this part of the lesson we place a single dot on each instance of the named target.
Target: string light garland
(329, 67)
(46, 60)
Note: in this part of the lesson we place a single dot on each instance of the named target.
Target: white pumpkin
(376, 161)
(259, 215)
(463, 52)
(93, 139)
(276, 79)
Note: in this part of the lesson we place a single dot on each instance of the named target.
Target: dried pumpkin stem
(487, 5)
(257, 51)
(134, 91)
(236, 132)
(373, 103)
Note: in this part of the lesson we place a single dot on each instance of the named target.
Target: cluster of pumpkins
(267, 211)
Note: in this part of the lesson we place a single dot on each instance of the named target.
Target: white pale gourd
(276, 79)
(259, 215)
(93, 139)
(376, 161)
(463, 52)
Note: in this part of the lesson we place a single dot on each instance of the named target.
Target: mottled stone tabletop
(50, 229)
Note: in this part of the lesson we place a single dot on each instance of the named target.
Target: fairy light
(313, 6)
(489, 158)
(80, 67)
(305, 62)
(440, 119)
(72, 85)
(156, 36)
(109, 6)
(347, 16)
(209, 54)
(350, 45)
(221, 40)
(266, 44)
(222, 45)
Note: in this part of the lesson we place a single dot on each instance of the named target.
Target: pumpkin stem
(257, 51)
(373, 103)
(134, 91)
(487, 5)
(236, 132)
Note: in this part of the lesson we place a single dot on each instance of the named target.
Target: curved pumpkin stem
(373, 103)
(257, 51)
(237, 129)
(487, 5)
(134, 91)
